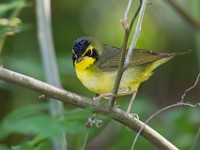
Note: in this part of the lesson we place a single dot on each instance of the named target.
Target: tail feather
(182, 53)
(171, 55)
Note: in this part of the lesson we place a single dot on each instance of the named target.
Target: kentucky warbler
(96, 66)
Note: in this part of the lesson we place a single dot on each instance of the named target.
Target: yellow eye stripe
(74, 53)
(90, 47)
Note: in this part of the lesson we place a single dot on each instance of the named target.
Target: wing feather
(110, 61)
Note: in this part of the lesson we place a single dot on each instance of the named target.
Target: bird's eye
(89, 53)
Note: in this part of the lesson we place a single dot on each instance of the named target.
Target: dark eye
(89, 53)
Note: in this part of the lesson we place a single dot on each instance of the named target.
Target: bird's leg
(122, 91)
(131, 101)
(100, 96)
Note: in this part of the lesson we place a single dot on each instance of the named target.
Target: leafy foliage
(34, 121)
(11, 23)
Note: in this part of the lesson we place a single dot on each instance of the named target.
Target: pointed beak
(79, 59)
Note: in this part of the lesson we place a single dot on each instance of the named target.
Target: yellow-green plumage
(96, 66)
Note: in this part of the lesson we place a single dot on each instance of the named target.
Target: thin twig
(85, 139)
(120, 70)
(184, 14)
(122, 64)
(127, 10)
(49, 62)
(181, 103)
(196, 139)
(190, 88)
(86, 103)
(137, 32)
(135, 16)
(158, 112)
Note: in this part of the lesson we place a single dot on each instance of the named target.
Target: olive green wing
(140, 57)
(111, 58)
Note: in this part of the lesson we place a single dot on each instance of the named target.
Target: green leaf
(6, 30)
(33, 120)
(7, 125)
(5, 7)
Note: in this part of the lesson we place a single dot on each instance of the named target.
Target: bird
(96, 66)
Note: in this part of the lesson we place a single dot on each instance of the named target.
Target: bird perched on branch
(96, 66)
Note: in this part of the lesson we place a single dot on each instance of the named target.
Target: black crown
(80, 46)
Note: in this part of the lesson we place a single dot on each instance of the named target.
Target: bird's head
(86, 51)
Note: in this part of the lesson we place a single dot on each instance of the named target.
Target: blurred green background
(163, 29)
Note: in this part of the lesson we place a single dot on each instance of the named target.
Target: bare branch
(120, 70)
(190, 88)
(136, 14)
(127, 10)
(181, 103)
(85, 139)
(86, 103)
(137, 32)
(125, 62)
(194, 145)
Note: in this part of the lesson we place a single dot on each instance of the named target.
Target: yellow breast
(101, 82)
(92, 78)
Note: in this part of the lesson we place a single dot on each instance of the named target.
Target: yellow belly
(102, 82)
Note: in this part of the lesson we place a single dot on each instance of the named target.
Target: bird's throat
(84, 64)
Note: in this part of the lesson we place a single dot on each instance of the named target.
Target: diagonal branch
(124, 61)
(86, 103)
(121, 65)
(120, 70)
(137, 32)
(181, 103)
